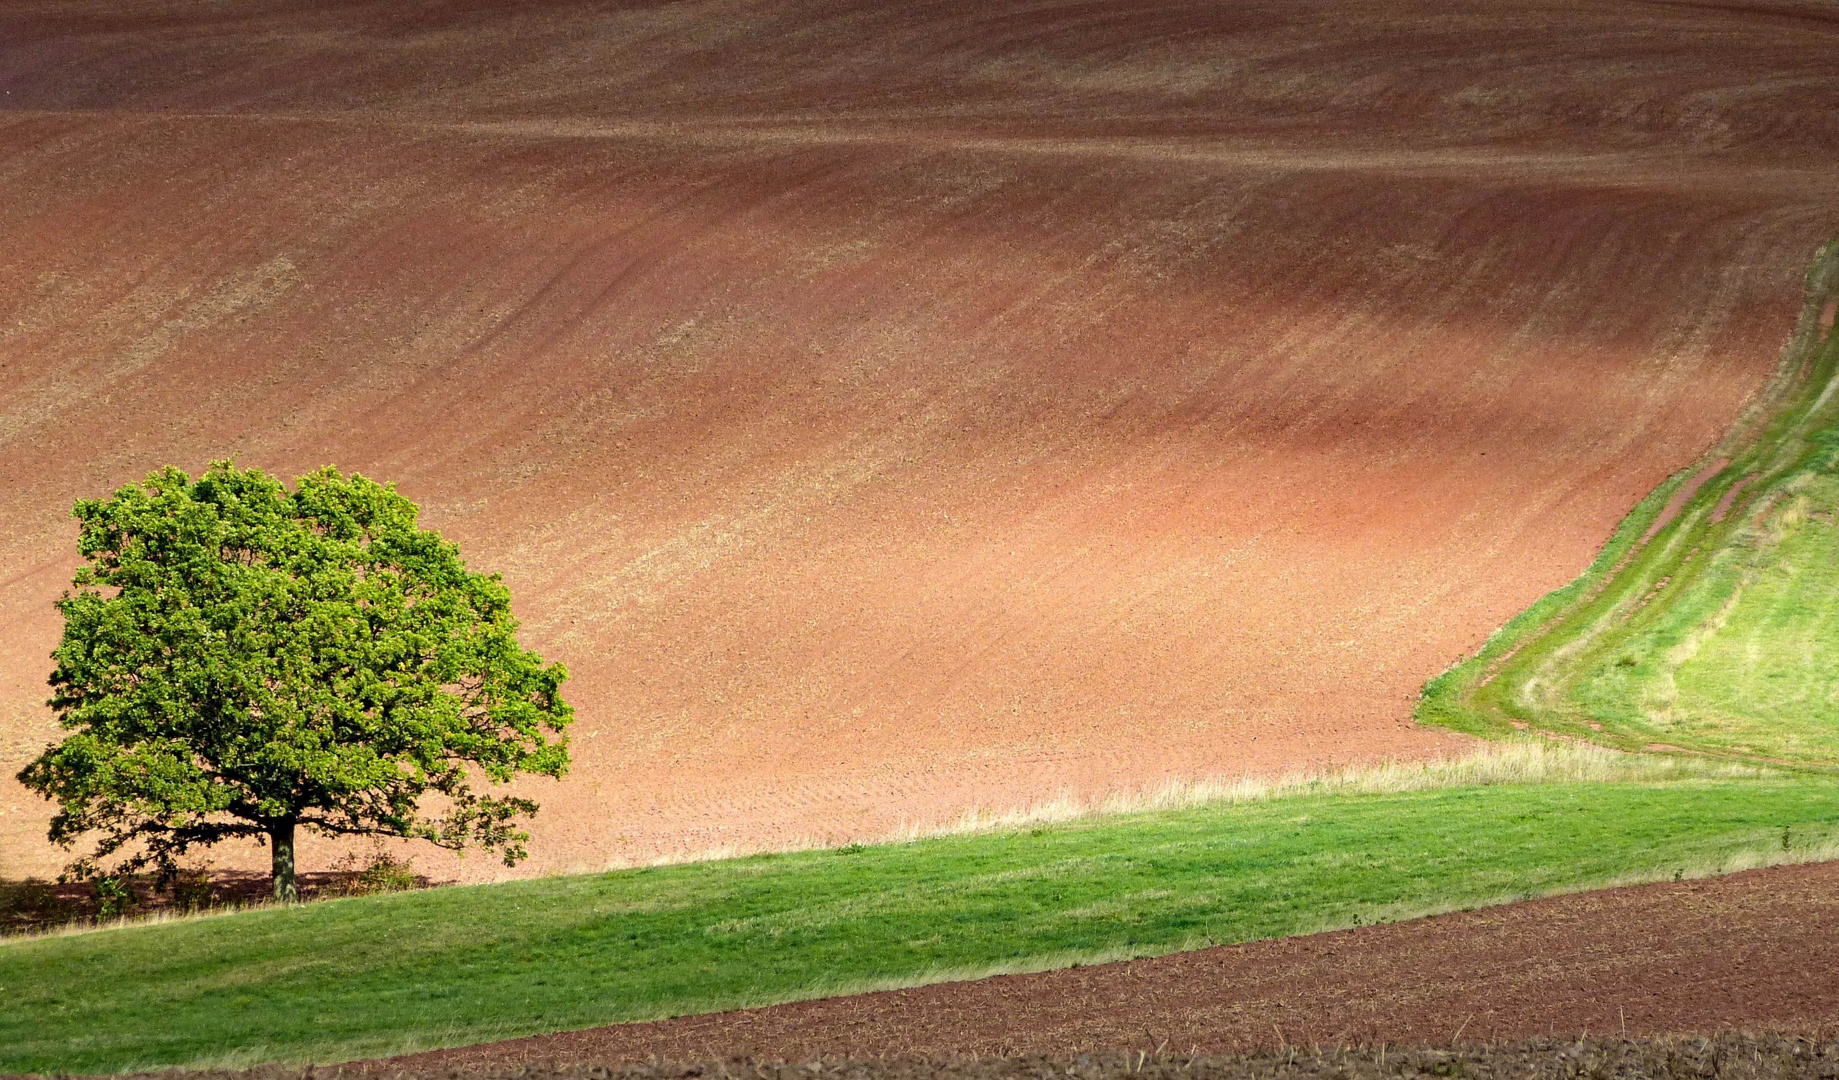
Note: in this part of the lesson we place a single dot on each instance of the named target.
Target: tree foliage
(240, 659)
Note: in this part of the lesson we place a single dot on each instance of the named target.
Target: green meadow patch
(1710, 622)
(374, 975)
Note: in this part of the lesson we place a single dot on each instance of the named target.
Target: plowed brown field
(891, 408)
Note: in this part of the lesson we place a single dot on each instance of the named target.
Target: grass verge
(375, 975)
(1708, 623)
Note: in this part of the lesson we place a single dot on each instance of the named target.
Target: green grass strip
(358, 977)
(1599, 658)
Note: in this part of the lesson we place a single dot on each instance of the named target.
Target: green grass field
(1750, 664)
(1719, 634)
(349, 978)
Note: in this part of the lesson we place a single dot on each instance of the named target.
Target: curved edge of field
(1517, 682)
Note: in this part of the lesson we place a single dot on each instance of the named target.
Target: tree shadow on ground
(33, 905)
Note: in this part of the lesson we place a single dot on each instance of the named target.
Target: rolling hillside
(889, 409)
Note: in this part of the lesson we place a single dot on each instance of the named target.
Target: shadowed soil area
(891, 409)
(35, 906)
(1751, 950)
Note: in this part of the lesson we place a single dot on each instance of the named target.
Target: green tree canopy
(241, 660)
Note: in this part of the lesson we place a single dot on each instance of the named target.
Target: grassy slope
(354, 977)
(1748, 663)
(1772, 669)
(1715, 634)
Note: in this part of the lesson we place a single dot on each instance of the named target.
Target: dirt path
(1756, 950)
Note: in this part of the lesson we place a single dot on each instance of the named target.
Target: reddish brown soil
(890, 408)
(1728, 1055)
(1684, 495)
(1643, 961)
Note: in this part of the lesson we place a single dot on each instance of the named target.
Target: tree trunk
(281, 842)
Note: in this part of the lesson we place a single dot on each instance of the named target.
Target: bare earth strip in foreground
(1753, 950)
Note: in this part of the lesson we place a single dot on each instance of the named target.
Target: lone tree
(241, 660)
